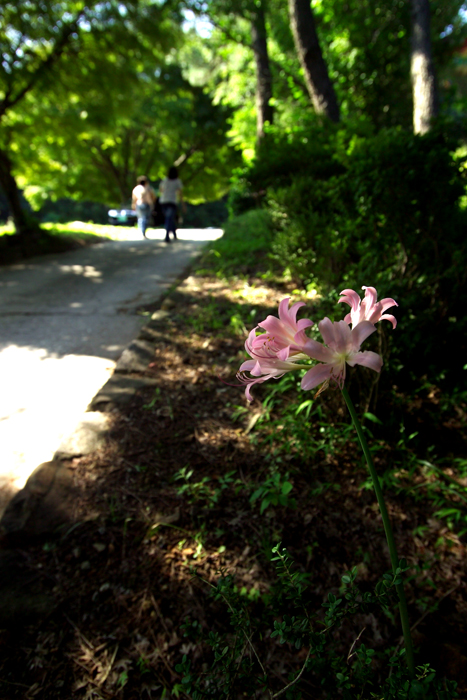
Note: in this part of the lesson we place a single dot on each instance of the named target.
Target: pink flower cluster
(283, 345)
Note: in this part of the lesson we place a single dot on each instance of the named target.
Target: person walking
(171, 190)
(143, 198)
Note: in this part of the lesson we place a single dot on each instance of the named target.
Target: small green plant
(274, 491)
(237, 668)
(152, 403)
(206, 490)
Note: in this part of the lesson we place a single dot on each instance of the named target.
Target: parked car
(122, 217)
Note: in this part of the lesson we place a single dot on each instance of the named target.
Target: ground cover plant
(178, 518)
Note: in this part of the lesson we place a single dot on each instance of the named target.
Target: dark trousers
(170, 214)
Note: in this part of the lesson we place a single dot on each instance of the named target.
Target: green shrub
(241, 198)
(65, 209)
(381, 210)
(310, 219)
(205, 214)
(245, 243)
(410, 241)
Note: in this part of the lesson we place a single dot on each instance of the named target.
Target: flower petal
(367, 309)
(370, 296)
(389, 317)
(360, 333)
(283, 308)
(351, 298)
(387, 303)
(247, 366)
(284, 353)
(326, 328)
(289, 315)
(367, 358)
(304, 323)
(250, 383)
(342, 336)
(316, 375)
(317, 351)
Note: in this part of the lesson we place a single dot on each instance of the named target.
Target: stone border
(23, 517)
(127, 378)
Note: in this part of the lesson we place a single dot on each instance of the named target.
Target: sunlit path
(65, 320)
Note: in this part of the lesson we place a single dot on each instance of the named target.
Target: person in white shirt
(171, 191)
(143, 197)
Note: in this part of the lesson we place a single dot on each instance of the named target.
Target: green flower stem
(388, 530)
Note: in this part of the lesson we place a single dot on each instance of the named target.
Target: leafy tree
(32, 39)
(95, 147)
(227, 71)
(366, 44)
(38, 39)
(244, 22)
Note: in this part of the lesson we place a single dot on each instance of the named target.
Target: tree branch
(248, 45)
(44, 66)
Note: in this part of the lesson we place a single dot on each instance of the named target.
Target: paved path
(64, 321)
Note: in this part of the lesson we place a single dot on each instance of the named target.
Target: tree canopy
(93, 94)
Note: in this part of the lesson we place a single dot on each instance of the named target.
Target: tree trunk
(23, 223)
(318, 82)
(424, 87)
(264, 109)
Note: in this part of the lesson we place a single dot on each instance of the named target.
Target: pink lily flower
(343, 348)
(283, 335)
(367, 309)
(276, 351)
(267, 368)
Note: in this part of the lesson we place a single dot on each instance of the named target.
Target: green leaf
(373, 418)
(256, 494)
(264, 504)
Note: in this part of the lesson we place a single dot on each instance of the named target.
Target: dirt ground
(114, 585)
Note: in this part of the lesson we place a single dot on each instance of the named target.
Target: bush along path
(215, 547)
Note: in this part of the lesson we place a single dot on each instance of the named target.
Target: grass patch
(244, 247)
(87, 230)
(80, 229)
(55, 238)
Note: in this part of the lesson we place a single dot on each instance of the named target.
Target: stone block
(42, 505)
(136, 357)
(119, 391)
(153, 334)
(87, 437)
(159, 316)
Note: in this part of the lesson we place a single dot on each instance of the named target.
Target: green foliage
(112, 104)
(64, 209)
(415, 224)
(87, 150)
(301, 429)
(438, 484)
(366, 46)
(240, 198)
(274, 491)
(210, 213)
(246, 241)
(204, 490)
(236, 667)
(350, 208)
